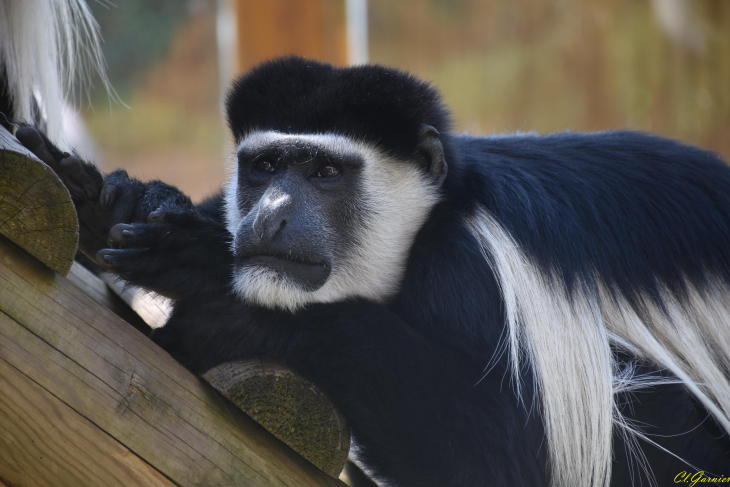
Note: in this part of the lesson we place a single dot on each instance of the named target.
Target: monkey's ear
(429, 146)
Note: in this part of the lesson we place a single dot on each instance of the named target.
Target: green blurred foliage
(136, 33)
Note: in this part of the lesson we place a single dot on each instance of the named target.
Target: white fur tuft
(566, 337)
(44, 46)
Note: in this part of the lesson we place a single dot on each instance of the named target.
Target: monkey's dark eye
(327, 171)
(264, 166)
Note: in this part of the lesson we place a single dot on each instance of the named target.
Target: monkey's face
(320, 218)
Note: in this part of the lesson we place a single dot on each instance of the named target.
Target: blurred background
(502, 65)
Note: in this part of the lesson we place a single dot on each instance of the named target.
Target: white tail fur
(566, 339)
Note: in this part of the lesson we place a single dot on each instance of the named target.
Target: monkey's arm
(415, 408)
(148, 233)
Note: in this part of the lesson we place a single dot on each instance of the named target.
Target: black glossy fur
(370, 103)
(406, 374)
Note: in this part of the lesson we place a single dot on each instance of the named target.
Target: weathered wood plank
(290, 407)
(97, 289)
(36, 210)
(118, 379)
(43, 442)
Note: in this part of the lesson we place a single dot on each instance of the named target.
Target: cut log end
(36, 211)
(288, 406)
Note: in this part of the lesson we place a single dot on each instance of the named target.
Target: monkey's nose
(268, 228)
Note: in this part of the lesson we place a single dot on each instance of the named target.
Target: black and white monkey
(515, 310)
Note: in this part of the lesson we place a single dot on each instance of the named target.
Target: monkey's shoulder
(627, 206)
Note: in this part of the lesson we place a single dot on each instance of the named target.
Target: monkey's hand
(101, 201)
(148, 233)
(176, 254)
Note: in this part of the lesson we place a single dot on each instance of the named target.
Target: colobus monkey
(514, 310)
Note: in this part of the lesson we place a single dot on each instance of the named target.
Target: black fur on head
(374, 104)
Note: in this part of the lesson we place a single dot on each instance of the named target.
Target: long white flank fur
(397, 198)
(44, 46)
(566, 341)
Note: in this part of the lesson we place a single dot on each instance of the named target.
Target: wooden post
(36, 211)
(288, 406)
(311, 28)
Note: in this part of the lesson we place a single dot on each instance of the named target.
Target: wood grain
(43, 442)
(288, 406)
(119, 380)
(96, 288)
(36, 211)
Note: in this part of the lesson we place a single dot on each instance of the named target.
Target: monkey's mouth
(307, 271)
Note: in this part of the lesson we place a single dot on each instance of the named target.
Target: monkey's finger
(125, 204)
(77, 192)
(75, 170)
(34, 142)
(179, 217)
(121, 236)
(108, 196)
(145, 235)
(110, 188)
(131, 263)
(157, 216)
(145, 268)
(112, 260)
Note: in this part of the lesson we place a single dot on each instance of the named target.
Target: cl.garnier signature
(700, 478)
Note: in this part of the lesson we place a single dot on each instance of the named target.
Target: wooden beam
(107, 372)
(96, 288)
(36, 211)
(44, 442)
